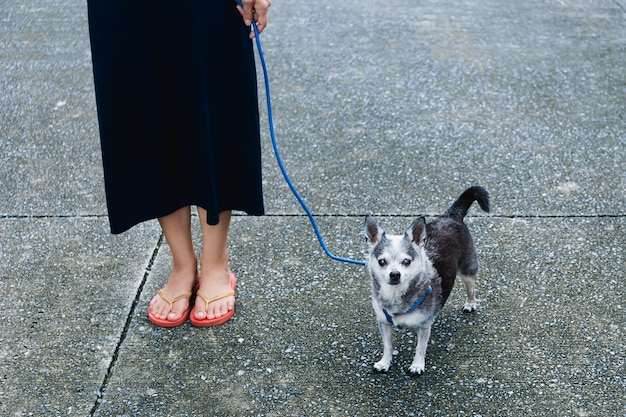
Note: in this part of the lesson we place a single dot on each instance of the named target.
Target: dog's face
(396, 261)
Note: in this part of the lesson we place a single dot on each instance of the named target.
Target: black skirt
(176, 94)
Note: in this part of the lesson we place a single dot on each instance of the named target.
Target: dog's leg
(385, 362)
(419, 361)
(470, 287)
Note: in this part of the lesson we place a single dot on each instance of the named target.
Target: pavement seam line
(129, 318)
(330, 215)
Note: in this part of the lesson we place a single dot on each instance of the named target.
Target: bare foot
(179, 286)
(214, 283)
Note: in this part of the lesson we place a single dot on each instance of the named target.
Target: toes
(157, 310)
(173, 316)
(217, 311)
(161, 310)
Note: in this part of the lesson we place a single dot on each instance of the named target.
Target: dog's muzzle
(394, 278)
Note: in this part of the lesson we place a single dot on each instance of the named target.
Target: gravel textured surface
(392, 108)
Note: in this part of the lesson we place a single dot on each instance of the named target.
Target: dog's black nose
(394, 277)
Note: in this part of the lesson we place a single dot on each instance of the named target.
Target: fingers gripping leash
(277, 153)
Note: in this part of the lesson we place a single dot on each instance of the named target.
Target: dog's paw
(382, 366)
(418, 366)
(469, 307)
(416, 369)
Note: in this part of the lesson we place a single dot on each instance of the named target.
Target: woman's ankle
(184, 274)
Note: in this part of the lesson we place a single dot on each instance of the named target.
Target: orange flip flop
(217, 320)
(170, 323)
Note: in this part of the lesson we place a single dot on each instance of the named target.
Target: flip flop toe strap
(172, 301)
(210, 300)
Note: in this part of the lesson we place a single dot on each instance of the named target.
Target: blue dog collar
(415, 305)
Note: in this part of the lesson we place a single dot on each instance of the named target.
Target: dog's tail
(458, 210)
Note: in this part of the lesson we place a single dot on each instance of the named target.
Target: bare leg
(214, 269)
(177, 230)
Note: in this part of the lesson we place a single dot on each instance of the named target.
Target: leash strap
(415, 305)
(279, 159)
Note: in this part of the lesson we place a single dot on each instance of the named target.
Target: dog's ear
(373, 232)
(417, 231)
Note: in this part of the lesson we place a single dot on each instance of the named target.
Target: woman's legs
(177, 230)
(214, 269)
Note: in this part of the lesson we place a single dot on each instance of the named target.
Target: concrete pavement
(387, 107)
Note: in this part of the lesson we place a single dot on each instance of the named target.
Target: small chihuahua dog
(413, 274)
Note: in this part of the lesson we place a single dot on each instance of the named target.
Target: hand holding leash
(254, 11)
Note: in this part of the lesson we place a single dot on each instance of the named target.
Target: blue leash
(278, 158)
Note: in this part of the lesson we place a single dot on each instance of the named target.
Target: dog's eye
(382, 262)
(406, 262)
